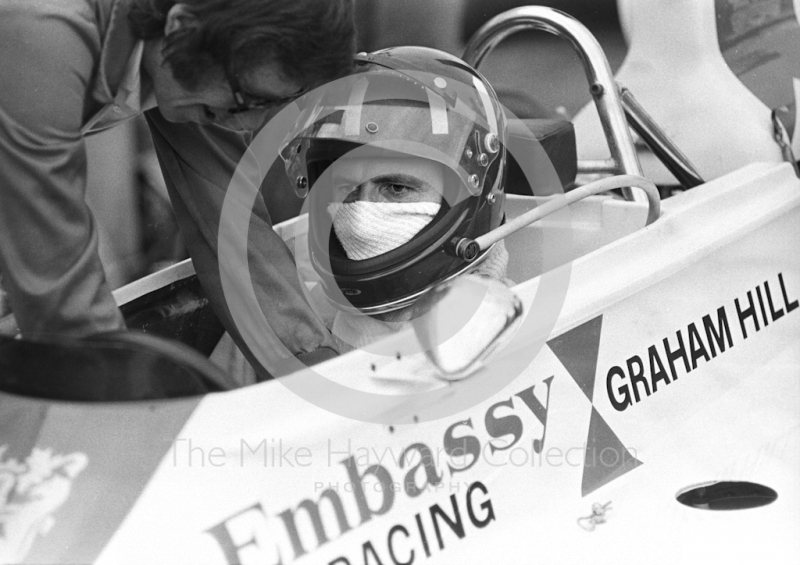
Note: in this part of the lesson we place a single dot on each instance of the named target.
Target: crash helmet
(404, 102)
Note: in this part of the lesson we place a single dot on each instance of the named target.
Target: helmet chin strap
(469, 249)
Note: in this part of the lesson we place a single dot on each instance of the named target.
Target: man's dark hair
(312, 41)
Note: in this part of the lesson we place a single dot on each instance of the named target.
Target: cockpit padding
(178, 311)
(113, 367)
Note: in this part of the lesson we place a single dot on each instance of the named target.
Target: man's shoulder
(54, 24)
(84, 11)
(52, 52)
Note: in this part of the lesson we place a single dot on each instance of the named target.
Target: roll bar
(601, 81)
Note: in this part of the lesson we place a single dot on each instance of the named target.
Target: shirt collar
(132, 94)
(119, 74)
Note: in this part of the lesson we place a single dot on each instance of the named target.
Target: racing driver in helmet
(400, 162)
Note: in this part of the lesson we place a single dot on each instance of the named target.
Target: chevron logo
(577, 350)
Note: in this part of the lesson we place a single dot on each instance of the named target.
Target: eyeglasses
(245, 102)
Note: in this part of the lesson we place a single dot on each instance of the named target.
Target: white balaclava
(368, 229)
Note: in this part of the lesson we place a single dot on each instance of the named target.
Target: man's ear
(178, 17)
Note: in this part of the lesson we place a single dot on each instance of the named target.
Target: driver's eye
(397, 189)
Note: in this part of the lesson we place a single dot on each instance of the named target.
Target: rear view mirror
(461, 323)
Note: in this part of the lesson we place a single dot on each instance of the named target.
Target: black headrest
(556, 144)
(545, 149)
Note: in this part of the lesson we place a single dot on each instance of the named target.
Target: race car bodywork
(673, 363)
(666, 385)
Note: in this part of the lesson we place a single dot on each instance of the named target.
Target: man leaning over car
(206, 73)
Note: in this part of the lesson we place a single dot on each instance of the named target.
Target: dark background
(536, 63)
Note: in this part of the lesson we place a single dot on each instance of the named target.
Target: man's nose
(235, 122)
(245, 121)
(368, 192)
